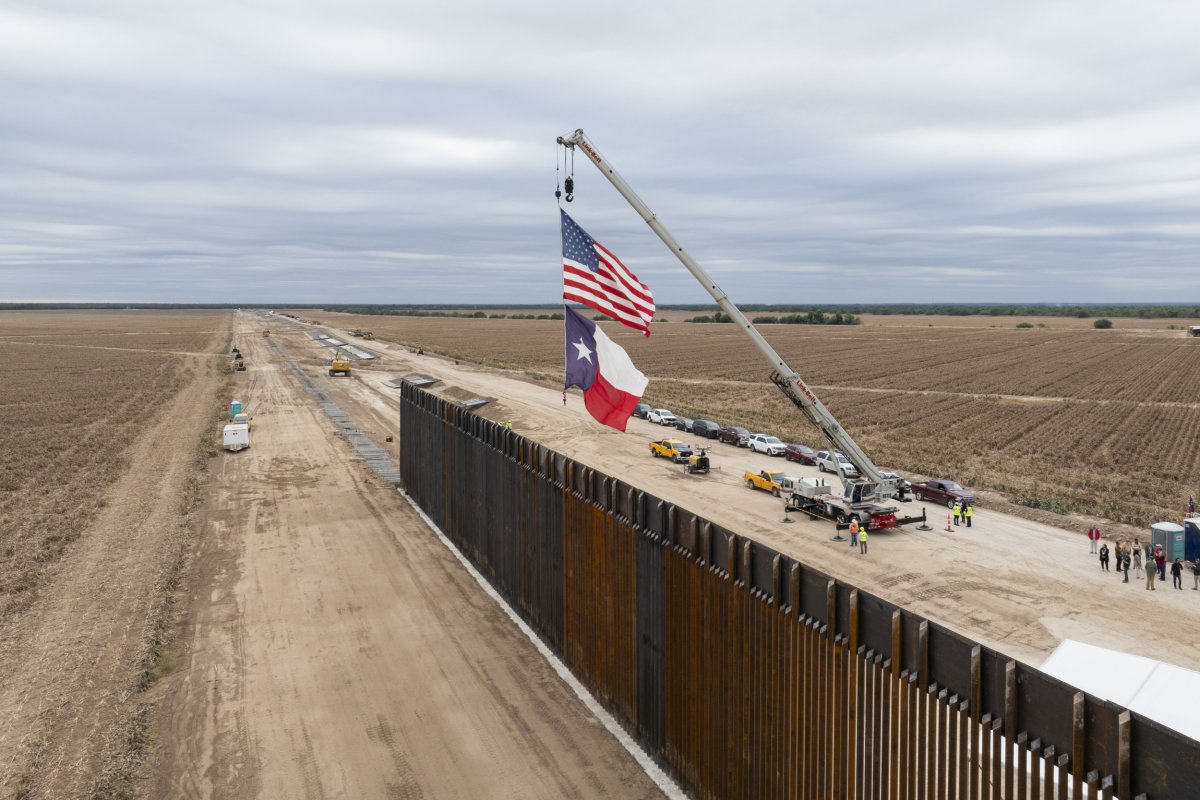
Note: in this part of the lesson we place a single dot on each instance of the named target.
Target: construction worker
(967, 511)
(853, 532)
(957, 511)
(862, 540)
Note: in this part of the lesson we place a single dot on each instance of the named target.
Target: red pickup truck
(942, 491)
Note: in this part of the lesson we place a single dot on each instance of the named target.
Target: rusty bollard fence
(746, 673)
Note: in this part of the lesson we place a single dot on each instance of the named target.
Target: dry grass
(1064, 418)
(77, 387)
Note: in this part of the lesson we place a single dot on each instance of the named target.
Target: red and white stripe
(612, 290)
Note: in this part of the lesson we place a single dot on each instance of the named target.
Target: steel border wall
(747, 673)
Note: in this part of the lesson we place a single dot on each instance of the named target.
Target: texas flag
(611, 384)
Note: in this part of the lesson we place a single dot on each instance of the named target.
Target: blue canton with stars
(577, 245)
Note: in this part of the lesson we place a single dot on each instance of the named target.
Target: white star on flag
(584, 352)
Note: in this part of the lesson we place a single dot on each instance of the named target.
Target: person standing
(1124, 564)
(1160, 560)
(1196, 574)
(1137, 560)
(1150, 573)
(1119, 555)
(862, 540)
(853, 532)
(1094, 538)
(957, 511)
(1177, 573)
(967, 511)
(1104, 557)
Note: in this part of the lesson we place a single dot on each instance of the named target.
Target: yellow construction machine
(266, 334)
(340, 365)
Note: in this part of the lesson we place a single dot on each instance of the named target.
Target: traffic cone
(949, 529)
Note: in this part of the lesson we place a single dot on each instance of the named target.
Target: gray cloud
(404, 152)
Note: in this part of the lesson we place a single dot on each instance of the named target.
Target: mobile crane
(863, 498)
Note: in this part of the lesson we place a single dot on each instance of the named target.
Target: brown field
(1064, 418)
(77, 387)
(105, 414)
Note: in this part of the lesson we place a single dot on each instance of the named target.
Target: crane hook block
(569, 185)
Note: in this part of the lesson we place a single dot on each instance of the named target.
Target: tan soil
(337, 649)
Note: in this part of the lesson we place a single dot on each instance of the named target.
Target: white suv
(762, 443)
(836, 462)
(661, 415)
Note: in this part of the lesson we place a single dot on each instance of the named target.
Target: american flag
(595, 277)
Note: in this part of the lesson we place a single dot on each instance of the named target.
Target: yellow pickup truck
(673, 449)
(770, 480)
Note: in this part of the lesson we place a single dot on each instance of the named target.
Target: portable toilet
(1191, 539)
(1169, 536)
(235, 408)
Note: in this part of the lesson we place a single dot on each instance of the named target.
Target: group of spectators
(1132, 556)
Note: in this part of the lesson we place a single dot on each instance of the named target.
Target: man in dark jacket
(1104, 557)
(1177, 573)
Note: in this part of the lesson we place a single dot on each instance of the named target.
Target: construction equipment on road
(266, 334)
(698, 463)
(339, 366)
(863, 498)
(239, 365)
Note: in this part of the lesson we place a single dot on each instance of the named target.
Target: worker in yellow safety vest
(957, 511)
(967, 511)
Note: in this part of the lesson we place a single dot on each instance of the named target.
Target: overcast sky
(404, 152)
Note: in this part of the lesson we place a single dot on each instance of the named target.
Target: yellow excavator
(340, 365)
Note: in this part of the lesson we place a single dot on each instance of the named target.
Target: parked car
(683, 424)
(706, 428)
(734, 435)
(800, 453)
(828, 461)
(641, 410)
(942, 491)
(661, 415)
(765, 443)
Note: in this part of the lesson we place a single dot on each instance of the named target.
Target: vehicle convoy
(763, 443)
(340, 365)
(942, 491)
(673, 449)
(734, 435)
(863, 498)
(770, 480)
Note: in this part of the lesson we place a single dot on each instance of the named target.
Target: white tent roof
(1163, 692)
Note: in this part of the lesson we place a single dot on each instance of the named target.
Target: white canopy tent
(1162, 692)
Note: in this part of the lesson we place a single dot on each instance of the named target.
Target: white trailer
(237, 437)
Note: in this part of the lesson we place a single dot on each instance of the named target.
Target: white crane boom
(784, 377)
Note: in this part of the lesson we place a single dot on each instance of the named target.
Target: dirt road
(1018, 586)
(337, 649)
